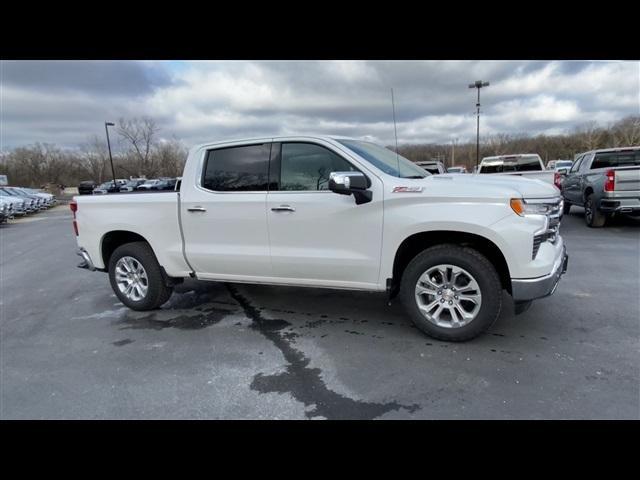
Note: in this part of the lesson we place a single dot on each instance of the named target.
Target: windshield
(385, 160)
(565, 164)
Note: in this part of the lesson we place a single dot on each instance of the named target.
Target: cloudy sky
(65, 102)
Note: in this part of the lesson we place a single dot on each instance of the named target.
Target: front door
(318, 237)
(571, 184)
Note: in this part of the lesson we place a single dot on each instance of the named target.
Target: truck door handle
(196, 209)
(283, 208)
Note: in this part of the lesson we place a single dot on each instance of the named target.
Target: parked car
(49, 199)
(433, 167)
(605, 182)
(457, 169)
(528, 165)
(149, 184)
(335, 213)
(562, 164)
(87, 187)
(5, 212)
(165, 184)
(16, 204)
(108, 187)
(33, 203)
(132, 184)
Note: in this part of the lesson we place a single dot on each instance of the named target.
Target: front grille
(551, 234)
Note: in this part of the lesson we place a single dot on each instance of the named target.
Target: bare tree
(626, 132)
(94, 158)
(589, 135)
(170, 157)
(139, 135)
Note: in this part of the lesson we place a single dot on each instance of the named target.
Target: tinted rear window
(616, 159)
(514, 164)
(237, 169)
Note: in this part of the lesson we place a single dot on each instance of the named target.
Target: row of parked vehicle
(605, 182)
(19, 201)
(122, 185)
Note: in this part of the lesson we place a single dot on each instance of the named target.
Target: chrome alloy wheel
(131, 278)
(448, 296)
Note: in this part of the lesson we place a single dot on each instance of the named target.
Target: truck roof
(616, 149)
(275, 138)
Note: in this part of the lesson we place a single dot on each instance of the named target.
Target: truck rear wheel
(451, 293)
(136, 277)
(592, 216)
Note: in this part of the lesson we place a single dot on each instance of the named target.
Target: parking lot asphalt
(70, 349)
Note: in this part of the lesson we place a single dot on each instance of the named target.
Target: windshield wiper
(415, 176)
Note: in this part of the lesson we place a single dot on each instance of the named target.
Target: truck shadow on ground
(284, 314)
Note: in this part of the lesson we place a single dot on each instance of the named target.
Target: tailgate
(627, 179)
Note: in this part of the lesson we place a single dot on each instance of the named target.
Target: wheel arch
(418, 242)
(587, 191)
(114, 239)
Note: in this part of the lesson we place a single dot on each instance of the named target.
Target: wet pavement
(70, 349)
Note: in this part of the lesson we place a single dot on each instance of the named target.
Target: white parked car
(148, 184)
(332, 212)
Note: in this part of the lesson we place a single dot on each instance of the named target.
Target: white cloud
(199, 101)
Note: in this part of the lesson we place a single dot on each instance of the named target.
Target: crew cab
(332, 212)
(605, 182)
(528, 165)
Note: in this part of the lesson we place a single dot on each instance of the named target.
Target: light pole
(453, 151)
(113, 172)
(478, 84)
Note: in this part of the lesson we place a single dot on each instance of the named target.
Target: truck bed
(153, 215)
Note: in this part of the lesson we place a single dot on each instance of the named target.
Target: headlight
(523, 207)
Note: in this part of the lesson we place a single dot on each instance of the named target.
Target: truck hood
(489, 186)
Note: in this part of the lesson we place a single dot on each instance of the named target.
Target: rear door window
(616, 159)
(237, 169)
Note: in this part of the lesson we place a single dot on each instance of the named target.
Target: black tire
(566, 208)
(592, 216)
(157, 291)
(473, 262)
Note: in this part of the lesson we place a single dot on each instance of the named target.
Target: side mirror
(351, 183)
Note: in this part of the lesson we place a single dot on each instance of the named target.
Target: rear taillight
(610, 182)
(557, 180)
(74, 208)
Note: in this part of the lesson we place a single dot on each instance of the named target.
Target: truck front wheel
(451, 293)
(136, 277)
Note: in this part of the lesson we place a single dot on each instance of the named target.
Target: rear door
(224, 215)
(319, 237)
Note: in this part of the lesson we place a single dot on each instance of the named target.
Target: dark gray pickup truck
(605, 182)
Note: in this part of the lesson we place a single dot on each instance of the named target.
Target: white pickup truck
(528, 165)
(337, 213)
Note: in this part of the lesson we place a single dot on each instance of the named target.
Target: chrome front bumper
(86, 260)
(531, 288)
